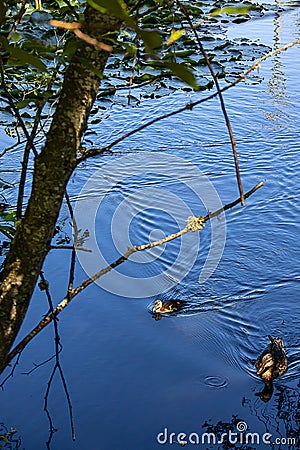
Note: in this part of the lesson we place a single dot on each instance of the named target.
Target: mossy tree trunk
(52, 170)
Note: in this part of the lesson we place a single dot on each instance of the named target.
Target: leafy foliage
(7, 221)
(154, 55)
(155, 49)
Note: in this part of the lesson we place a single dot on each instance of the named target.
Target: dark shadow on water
(267, 392)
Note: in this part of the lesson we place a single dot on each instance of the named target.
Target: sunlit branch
(64, 303)
(75, 27)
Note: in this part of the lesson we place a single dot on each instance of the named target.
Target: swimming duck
(273, 361)
(167, 307)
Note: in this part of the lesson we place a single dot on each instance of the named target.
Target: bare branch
(11, 374)
(227, 121)
(189, 106)
(37, 366)
(28, 146)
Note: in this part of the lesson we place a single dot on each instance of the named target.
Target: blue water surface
(131, 377)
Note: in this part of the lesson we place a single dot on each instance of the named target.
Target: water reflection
(280, 417)
(9, 438)
(277, 81)
(267, 392)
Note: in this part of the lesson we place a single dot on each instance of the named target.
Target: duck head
(157, 306)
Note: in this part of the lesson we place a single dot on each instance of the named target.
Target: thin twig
(64, 303)
(11, 374)
(52, 429)
(189, 106)
(8, 149)
(63, 379)
(18, 18)
(14, 108)
(133, 69)
(37, 366)
(29, 146)
(223, 107)
(92, 41)
(70, 247)
(25, 163)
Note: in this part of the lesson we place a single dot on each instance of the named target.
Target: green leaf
(241, 10)
(116, 8)
(27, 58)
(183, 73)
(152, 39)
(175, 35)
(9, 216)
(21, 55)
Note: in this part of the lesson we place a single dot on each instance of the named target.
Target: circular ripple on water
(216, 382)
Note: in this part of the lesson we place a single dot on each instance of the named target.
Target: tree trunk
(52, 170)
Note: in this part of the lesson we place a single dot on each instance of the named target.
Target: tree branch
(189, 106)
(64, 303)
(53, 168)
(223, 107)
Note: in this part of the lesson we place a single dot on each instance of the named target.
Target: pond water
(132, 377)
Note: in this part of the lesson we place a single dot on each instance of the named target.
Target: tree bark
(52, 170)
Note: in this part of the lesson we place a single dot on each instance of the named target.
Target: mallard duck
(273, 361)
(167, 307)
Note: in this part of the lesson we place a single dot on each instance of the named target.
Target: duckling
(167, 307)
(273, 361)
